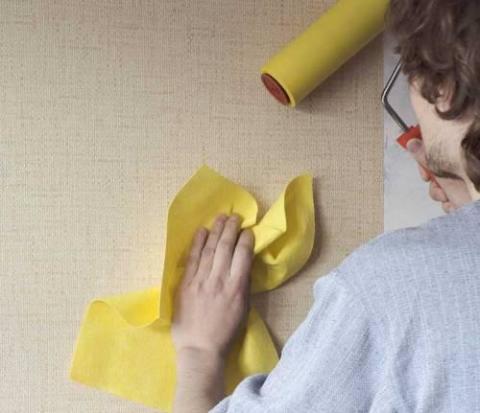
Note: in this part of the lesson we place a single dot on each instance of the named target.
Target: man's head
(439, 46)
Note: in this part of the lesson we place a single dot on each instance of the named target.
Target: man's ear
(444, 101)
(414, 84)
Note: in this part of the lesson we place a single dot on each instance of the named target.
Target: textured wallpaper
(106, 109)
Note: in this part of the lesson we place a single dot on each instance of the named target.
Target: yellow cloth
(124, 345)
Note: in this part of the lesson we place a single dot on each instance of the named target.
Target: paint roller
(326, 45)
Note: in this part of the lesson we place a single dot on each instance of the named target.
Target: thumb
(416, 148)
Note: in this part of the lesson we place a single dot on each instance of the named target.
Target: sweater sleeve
(332, 362)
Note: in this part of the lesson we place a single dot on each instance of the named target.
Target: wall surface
(106, 108)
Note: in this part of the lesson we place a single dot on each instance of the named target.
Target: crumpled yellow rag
(125, 346)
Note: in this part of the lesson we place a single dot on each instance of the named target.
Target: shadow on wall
(343, 82)
(264, 302)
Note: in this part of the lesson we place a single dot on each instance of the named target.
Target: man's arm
(211, 304)
(334, 362)
(199, 381)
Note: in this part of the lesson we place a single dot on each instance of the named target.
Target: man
(396, 327)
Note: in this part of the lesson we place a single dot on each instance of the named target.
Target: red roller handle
(414, 133)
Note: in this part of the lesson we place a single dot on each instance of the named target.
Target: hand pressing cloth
(124, 345)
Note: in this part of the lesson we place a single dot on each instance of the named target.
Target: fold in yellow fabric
(124, 345)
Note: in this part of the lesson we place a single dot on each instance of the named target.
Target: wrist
(201, 372)
(200, 359)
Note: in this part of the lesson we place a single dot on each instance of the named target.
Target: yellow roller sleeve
(124, 345)
(326, 45)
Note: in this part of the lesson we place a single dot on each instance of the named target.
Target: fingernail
(414, 145)
(201, 232)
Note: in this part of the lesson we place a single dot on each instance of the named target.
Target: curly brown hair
(439, 44)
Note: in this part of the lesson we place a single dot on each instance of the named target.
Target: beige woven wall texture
(106, 109)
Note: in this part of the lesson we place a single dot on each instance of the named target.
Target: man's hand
(451, 193)
(211, 305)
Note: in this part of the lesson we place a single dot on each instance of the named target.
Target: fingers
(222, 254)
(195, 254)
(225, 247)
(437, 193)
(417, 150)
(242, 260)
(208, 252)
(448, 207)
(423, 173)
